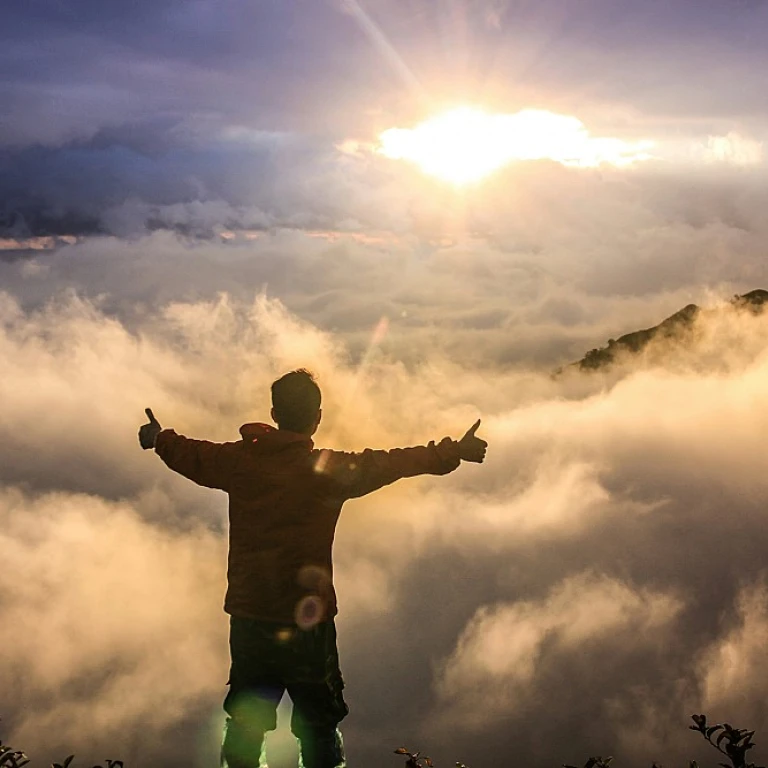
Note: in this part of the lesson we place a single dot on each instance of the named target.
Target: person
(285, 497)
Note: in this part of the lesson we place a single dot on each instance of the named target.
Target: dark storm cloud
(145, 177)
(75, 187)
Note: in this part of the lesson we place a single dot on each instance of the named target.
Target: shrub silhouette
(414, 759)
(14, 758)
(732, 742)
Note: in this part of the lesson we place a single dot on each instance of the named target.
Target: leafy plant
(10, 758)
(732, 742)
(594, 762)
(414, 758)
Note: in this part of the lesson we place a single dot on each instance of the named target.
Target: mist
(600, 578)
(193, 202)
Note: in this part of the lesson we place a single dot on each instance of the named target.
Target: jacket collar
(257, 432)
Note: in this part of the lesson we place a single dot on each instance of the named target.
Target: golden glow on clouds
(465, 144)
(42, 243)
(733, 148)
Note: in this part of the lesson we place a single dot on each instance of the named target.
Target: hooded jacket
(285, 497)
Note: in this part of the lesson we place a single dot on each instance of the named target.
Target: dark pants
(267, 660)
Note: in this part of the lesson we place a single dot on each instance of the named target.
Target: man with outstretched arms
(285, 497)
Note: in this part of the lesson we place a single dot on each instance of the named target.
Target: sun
(466, 144)
(460, 146)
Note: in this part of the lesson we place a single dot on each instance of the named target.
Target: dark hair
(296, 400)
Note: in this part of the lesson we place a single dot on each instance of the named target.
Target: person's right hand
(471, 447)
(148, 432)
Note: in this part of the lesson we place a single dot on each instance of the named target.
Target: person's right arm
(205, 463)
(360, 473)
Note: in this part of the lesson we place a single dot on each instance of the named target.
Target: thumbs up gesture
(148, 432)
(471, 447)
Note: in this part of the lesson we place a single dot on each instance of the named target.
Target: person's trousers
(268, 660)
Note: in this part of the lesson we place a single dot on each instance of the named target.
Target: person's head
(296, 402)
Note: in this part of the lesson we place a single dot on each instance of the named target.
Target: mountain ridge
(676, 327)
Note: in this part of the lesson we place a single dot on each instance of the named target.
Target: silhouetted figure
(285, 497)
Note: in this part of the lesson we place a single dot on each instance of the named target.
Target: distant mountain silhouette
(678, 328)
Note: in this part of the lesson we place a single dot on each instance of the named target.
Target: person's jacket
(285, 497)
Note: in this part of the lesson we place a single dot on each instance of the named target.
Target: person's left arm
(361, 473)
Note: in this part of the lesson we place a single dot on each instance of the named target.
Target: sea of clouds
(223, 218)
(600, 578)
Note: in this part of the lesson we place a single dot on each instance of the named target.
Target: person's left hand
(471, 447)
(148, 432)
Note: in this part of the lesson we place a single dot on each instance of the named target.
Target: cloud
(729, 666)
(167, 62)
(110, 627)
(348, 240)
(493, 671)
(198, 119)
(193, 208)
(583, 567)
(733, 148)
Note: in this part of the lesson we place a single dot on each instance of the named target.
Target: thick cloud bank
(191, 204)
(600, 578)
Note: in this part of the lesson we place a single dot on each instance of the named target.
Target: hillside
(677, 328)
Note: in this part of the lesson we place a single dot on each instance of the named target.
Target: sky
(196, 197)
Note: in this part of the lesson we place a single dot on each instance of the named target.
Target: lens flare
(309, 612)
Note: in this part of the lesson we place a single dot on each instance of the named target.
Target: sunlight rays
(382, 44)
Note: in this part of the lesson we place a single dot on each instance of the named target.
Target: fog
(595, 582)
(192, 204)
